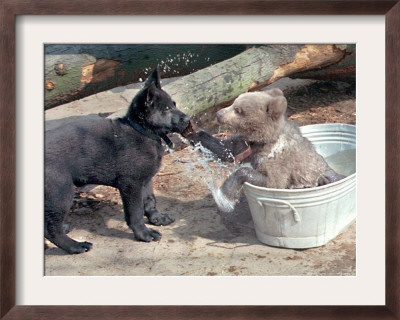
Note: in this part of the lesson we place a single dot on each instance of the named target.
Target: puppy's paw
(79, 247)
(147, 235)
(222, 201)
(160, 219)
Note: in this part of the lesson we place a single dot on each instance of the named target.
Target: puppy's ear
(274, 92)
(154, 78)
(276, 107)
(150, 92)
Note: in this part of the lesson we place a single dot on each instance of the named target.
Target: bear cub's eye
(238, 110)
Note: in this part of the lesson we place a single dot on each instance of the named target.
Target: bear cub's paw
(224, 203)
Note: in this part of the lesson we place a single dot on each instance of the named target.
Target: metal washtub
(305, 218)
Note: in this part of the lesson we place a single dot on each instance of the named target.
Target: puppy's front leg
(224, 149)
(150, 210)
(228, 194)
(133, 208)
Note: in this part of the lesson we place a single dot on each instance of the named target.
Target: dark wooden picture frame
(9, 9)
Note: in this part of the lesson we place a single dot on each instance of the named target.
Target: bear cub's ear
(276, 107)
(276, 92)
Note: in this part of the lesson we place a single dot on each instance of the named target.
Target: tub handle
(296, 215)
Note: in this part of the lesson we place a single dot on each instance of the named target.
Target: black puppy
(124, 153)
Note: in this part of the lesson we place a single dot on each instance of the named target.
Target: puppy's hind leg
(54, 232)
(59, 195)
(149, 201)
(228, 194)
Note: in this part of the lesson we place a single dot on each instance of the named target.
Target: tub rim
(303, 190)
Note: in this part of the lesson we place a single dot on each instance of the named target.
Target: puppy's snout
(183, 122)
(185, 118)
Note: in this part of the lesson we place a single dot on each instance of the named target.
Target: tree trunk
(250, 70)
(254, 69)
(76, 71)
(344, 70)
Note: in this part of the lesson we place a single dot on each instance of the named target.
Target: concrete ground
(201, 242)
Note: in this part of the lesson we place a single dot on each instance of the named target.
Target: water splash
(214, 171)
(212, 174)
(222, 201)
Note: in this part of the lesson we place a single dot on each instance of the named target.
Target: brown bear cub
(276, 154)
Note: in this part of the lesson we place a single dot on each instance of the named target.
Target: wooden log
(250, 71)
(344, 70)
(312, 62)
(75, 71)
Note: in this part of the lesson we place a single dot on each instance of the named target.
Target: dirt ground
(202, 241)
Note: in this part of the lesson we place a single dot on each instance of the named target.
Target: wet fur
(112, 153)
(281, 157)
